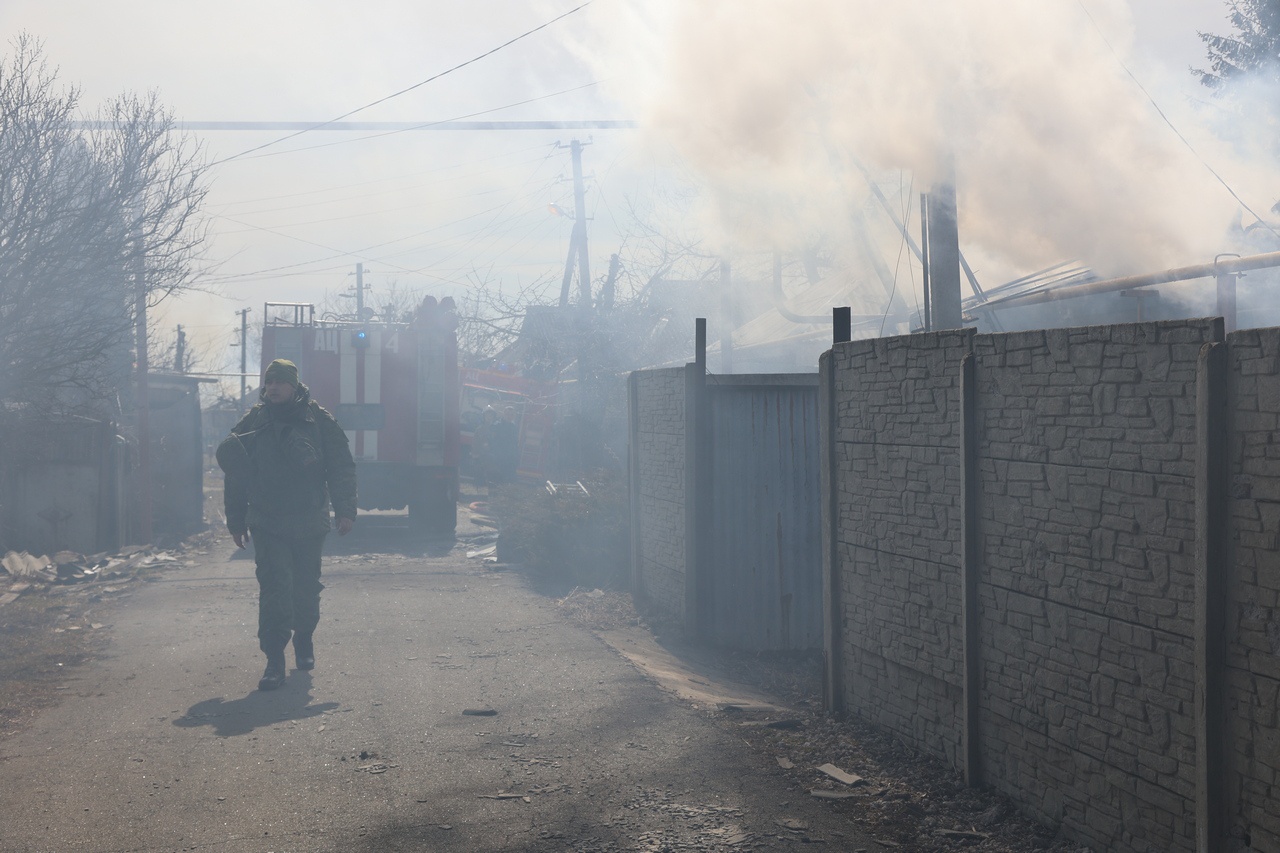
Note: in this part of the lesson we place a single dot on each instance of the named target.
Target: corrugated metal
(762, 563)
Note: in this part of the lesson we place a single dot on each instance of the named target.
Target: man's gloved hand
(344, 526)
(241, 539)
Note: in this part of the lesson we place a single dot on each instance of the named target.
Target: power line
(458, 124)
(409, 88)
(393, 126)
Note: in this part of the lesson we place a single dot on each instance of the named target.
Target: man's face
(278, 391)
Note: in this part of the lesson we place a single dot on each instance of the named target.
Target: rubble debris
(785, 724)
(20, 564)
(600, 610)
(827, 794)
(785, 763)
(70, 567)
(840, 775)
(503, 795)
(375, 768)
(961, 834)
(14, 591)
(479, 712)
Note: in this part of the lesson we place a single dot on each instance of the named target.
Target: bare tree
(490, 317)
(86, 219)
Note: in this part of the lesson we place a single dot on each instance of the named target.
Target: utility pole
(580, 225)
(610, 283)
(578, 242)
(179, 363)
(359, 293)
(244, 351)
(143, 401)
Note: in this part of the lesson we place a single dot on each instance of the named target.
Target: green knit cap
(281, 370)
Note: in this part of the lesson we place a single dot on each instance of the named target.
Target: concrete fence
(1051, 559)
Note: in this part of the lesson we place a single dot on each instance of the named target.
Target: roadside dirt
(774, 703)
(41, 638)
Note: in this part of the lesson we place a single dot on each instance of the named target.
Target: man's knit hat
(281, 370)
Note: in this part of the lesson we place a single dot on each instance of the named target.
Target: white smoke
(1059, 155)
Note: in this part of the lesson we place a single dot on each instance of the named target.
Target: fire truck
(393, 386)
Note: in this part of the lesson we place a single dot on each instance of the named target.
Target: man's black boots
(273, 675)
(304, 652)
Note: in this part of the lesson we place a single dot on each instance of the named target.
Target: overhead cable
(407, 89)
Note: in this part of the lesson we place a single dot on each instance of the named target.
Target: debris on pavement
(600, 610)
(67, 567)
(375, 768)
(840, 775)
(503, 795)
(828, 794)
(962, 835)
(20, 564)
(479, 712)
(488, 554)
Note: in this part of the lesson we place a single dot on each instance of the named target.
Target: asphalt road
(165, 744)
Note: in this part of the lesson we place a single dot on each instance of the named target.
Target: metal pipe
(1213, 270)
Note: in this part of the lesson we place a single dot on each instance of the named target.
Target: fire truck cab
(393, 386)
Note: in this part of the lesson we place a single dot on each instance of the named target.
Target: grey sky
(426, 209)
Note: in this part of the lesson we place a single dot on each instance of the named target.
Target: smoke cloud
(775, 107)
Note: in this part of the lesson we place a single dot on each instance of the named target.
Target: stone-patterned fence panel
(1052, 560)
(658, 446)
(1252, 673)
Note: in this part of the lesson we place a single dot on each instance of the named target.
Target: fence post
(970, 555)
(633, 481)
(695, 479)
(833, 697)
(1212, 555)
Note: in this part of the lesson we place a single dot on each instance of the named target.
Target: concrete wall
(1013, 568)
(658, 483)
(896, 452)
(1252, 682)
(1086, 474)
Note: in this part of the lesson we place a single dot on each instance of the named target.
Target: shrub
(580, 539)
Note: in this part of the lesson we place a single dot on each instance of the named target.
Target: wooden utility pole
(580, 226)
(359, 293)
(143, 403)
(577, 242)
(244, 351)
(179, 353)
(609, 287)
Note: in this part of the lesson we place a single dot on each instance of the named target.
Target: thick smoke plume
(776, 107)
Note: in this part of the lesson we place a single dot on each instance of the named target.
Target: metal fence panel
(762, 564)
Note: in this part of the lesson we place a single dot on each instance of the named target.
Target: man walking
(286, 461)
